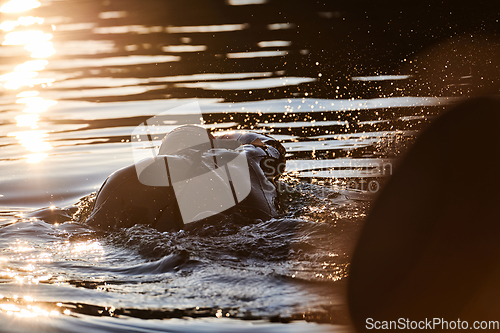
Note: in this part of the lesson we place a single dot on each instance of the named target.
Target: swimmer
(194, 176)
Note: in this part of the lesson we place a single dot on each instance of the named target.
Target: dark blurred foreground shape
(430, 247)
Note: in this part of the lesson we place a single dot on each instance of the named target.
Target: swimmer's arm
(258, 143)
(273, 162)
(236, 139)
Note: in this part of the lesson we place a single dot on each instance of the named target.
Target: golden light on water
(35, 158)
(35, 41)
(27, 120)
(26, 76)
(88, 247)
(35, 142)
(21, 309)
(26, 305)
(24, 21)
(8, 25)
(36, 104)
(31, 65)
(28, 93)
(26, 79)
(26, 37)
(16, 6)
(15, 80)
(42, 49)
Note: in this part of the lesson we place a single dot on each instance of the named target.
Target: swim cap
(184, 137)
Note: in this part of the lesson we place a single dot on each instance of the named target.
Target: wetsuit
(186, 182)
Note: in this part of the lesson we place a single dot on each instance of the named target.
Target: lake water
(78, 76)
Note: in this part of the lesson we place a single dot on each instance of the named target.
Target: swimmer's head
(185, 137)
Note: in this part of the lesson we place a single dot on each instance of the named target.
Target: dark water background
(345, 86)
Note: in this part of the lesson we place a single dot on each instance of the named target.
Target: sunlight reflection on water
(292, 75)
(25, 75)
(15, 6)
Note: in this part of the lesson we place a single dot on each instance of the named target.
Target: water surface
(78, 76)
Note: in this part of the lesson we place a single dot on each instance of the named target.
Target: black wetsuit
(124, 200)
